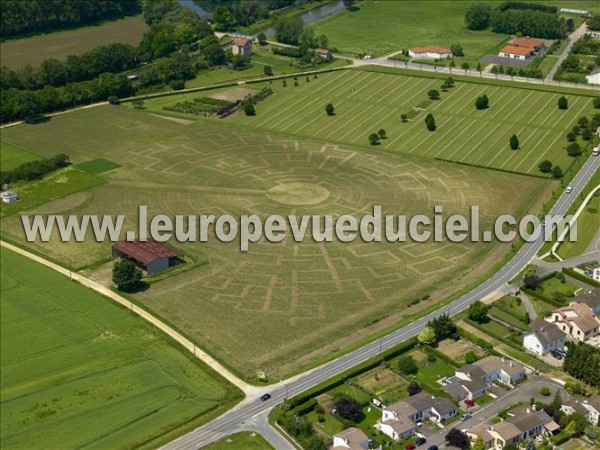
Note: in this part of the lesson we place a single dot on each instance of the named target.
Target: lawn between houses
(235, 304)
(78, 370)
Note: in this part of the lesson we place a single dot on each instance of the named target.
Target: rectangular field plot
(78, 371)
(366, 102)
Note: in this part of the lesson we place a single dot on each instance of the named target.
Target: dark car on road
(265, 397)
(432, 447)
(420, 441)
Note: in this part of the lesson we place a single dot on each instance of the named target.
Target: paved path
(528, 306)
(521, 393)
(232, 420)
(251, 391)
(573, 37)
(544, 267)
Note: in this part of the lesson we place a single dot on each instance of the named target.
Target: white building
(430, 52)
(352, 439)
(577, 320)
(543, 338)
(493, 368)
(514, 52)
(594, 76)
(9, 197)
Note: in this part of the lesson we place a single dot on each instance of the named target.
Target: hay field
(279, 306)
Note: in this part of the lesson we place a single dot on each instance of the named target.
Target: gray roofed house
(351, 439)
(544, 337)
(574, 406)
(590, 298)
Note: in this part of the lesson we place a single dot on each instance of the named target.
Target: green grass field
(245, 441)
(587, 225)
(12, 156)
(440, 23)
(365, 101)
(79, 371)
(98, 165)
(21, 52)
(326, 295)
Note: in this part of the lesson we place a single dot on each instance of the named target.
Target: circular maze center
(298, 194)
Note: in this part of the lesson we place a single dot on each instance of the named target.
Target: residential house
(493, 368)
(522, 425)
(514, 52)
(543, 338)
(399, 419)
(528, 42)
(241, 46)
(577, 320)
(594, 76)
(592, 404)
(351, 439)
(429, 52)
(324, 53)
(574, 406)
(590, 298)
(469, 386)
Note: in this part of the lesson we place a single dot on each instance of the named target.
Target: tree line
(34, 170)
(20, 17)
(97, 75)
(529, 19)
(582, 361)
(230, 15)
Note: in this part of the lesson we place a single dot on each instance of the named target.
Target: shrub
(545, 391)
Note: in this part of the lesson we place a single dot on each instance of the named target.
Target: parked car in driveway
(410, 447)
(420, 441)
(467, 416)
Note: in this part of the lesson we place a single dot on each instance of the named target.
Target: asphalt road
(247, 411)
(573, 37)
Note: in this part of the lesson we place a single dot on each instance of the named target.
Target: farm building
(430, 52)
(241, 46)
(593, 77)
(514, 52)
(151, 256)
(9, 197)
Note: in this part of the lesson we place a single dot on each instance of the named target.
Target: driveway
(573, 37)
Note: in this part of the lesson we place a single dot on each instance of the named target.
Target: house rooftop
(400, 425)
(240, 41)
(546, 332)
(424, 400)
(355, 439)
(577, 406)
(514, 50)
(591, 298)
(527, 42)
(594, 401)
(491, 364)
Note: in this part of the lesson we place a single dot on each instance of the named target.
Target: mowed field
(80, 372)
(381, 27)
(279, 306)
(18, 53)
(366, 101)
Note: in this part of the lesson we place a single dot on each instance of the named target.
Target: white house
(241, 46)
(592, 404)
(351, 439)
(430, 52)
(577, 320)
(543, 338)
(593, 77)
(514, 52)
(399, 419)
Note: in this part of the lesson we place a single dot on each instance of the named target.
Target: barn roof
(145, 252)
(513, 50)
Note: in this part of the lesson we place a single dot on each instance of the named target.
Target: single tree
(430, 122)
(457, 50)
(532, 282)
(470, 357)
(526, 318)
(249, 109)
(479, 68)
(407, 365)
(557, 172)
(126, 275)
(262, 38)
(482, 102)
(268, 70)
(284, 83)
(545, 166)
(571, 137)
(404, 117)
(583, 122)
(586, 134)
(427, 336)
(374, 139)
(382, 134)
(465, 66)
(450, 82)
(349, 408)
(478, 312)
(329, 109)
(414, 388)
(514, 142)
(433, 94)
(456, 438)
(574, 149)
(563, 103)
(597, 102)
(307, 79)
(113, 100)
(137, 103)
(479, 444)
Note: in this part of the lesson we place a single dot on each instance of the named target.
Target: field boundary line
(148, 317)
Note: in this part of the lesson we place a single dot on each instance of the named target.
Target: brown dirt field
(233, 94)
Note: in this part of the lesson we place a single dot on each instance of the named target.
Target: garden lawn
(79, 371)
(246, 441)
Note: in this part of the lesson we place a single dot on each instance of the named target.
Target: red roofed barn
(151, 256)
